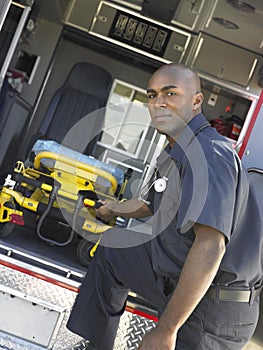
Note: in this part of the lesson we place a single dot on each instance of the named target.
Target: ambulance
(75, 130)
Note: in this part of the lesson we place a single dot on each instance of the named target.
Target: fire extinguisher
(234, 125)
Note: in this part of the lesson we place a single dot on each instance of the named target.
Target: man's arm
(133, 208)
(198, 272)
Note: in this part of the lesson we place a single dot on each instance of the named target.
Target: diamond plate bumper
(33, 301)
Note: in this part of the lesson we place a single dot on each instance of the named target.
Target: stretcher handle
(33, 182)
(77, 164)
(90, 199)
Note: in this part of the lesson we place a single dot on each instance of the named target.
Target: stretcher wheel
(83, 252)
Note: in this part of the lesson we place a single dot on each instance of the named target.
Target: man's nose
(160, 102)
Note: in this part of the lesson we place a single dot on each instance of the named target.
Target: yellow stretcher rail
(24, 202)
(78, 165)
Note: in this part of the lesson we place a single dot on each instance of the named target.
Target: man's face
(171, 102)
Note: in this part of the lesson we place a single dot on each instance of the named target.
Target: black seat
(7, 98)
(84, 91)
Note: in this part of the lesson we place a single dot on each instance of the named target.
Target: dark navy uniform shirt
(203, 181)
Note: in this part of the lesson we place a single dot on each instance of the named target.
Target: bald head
(180, 73)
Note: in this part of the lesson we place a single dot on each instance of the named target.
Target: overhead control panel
(135, 32)
(139, 33)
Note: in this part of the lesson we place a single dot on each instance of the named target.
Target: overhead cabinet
(192, 15)
(238, 22)
(128, 29)
(224, 61)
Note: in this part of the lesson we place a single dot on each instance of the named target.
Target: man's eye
(171, 93)
(151, 96)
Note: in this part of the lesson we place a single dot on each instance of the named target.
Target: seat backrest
(8, 96)
(84, 91)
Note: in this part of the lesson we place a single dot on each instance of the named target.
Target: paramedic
(202, 265)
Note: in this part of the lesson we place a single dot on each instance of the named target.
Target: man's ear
(198, 100)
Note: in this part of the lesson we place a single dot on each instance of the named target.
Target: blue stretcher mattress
(53, 146)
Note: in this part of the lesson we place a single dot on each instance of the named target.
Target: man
(202, 266)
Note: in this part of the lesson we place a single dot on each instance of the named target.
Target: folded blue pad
(53, 146)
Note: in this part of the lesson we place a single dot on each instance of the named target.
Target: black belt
(227, 294)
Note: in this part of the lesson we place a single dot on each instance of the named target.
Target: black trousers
(115, 271)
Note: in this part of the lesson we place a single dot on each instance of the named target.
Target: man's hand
(158, 339)
(105, 213)
(199, 270)
(133, 208)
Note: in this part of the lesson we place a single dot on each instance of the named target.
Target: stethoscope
(160, 183)
(159, 186)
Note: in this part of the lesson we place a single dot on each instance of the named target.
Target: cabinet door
(225, 61)
(12, 26)
(244, 17)
(252, 143)
(192, 15)
(81, 14)
(4, 7)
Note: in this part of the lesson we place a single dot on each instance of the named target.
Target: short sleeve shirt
(206, 183)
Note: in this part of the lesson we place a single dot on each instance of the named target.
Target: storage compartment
(225, 110)
(237, 22)
(135, 32)
(224, 61)
(28, 319)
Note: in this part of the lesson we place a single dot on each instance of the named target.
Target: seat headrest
(89, 78)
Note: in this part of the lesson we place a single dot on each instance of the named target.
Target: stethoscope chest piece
(160, 184)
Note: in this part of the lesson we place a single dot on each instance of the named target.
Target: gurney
(61, 185)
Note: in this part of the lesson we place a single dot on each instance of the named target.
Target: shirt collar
(183, 141)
